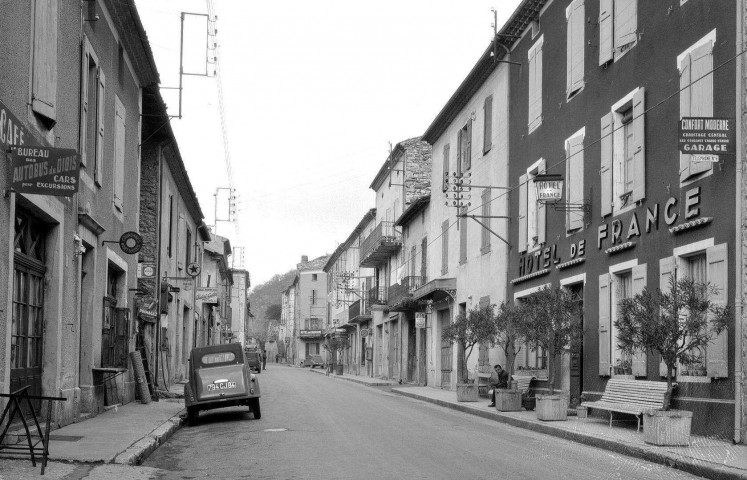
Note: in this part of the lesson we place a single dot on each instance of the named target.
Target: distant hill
(264, 295)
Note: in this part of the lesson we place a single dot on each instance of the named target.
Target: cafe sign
(45, 170)
(549, 188)
(707, 138)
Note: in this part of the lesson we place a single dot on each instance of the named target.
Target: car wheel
(254, 406)
(192, 414)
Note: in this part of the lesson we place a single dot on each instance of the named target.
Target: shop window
(625, 282)
(464, 148)
(44, 67)
(622, 156)
(574, 181)
(115, 323)
(618, 25)
(575, 24)
(695, 66)
(93, 85)
(532, 214)
(535, 85)
(703, 264)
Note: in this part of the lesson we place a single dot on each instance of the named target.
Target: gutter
(738, 245)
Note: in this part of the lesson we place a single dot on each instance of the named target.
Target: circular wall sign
(364, 332)
(130, 242)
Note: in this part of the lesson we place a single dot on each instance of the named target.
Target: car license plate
(221, 386)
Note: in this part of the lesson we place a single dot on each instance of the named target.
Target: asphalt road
(318, 427)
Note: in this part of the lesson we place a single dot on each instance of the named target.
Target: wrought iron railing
(377, 296)
(404, 289)
(384, 233)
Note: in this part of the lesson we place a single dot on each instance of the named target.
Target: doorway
(576, 360)
(446, 350)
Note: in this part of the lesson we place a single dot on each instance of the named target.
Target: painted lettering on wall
(547, 257)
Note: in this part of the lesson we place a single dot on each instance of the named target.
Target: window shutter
(685, 75)
(119, 153)
(575, 47)
(541, 211)
(606, 164)
(413, 259)
(446, 168)
(487, 138)
(44, 76)
(718, 272)
(606, 46)
(575, 153)
(468, 147)
(604, 325)
(523, 213)
(100, 117)
(532, 89)
(639, 146)
(535, 85)
(701, 93)
(485, 243)
(424, 261)
(462, 239)
(626, 22)
(666, 270)
(84, 103)
(459, 159)
(444, 247)
(639, 282)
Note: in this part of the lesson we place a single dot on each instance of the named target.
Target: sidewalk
(123, 435)
(706, 457)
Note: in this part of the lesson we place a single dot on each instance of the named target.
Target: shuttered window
(622, 154)
(120, 129)
(638, 282)
(485, 238)
(618, 28)
(93, 113)
(574, 152)
(44, 73)
(535, 85)
(487, 134)
(696, 99)
(523, 188)
(575, 47)
(462, 240)
(532, 214)
(445, 247)
(464, 149)
(604, 325)
(445, 186)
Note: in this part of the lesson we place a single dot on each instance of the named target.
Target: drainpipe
(738, 245)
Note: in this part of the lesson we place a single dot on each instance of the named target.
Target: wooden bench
(483, 379)
(522, 383)
(631, 397)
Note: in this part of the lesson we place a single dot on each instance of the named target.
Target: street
(315, 426)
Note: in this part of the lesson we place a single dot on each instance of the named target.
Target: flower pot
(528, 401)
(466, 392)
(507, 400)
(551, 408)
(667, 428)
(338, 369)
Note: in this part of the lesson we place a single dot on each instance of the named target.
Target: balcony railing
(404, 289)
(384, 241)
(377, 296)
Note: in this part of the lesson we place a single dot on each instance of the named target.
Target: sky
(313, 93)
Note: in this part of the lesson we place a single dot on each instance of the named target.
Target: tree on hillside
(273, 312)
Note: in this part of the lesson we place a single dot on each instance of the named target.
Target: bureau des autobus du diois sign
(45, 170)
(707, 139)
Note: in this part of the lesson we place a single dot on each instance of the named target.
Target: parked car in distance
(313, 361)
(219, 376)
(254, 358)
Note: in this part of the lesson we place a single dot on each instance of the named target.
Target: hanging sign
(130, 242)
(364, 332)
(707, 138)
(206, 294)
(45, 170)
(419, 319)
(549, 188)
(146, 270)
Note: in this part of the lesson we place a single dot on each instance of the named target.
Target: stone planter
(338, 369)
(582, 412)
(551, 408)
(507, 400)
(466, 392)
(667, 428)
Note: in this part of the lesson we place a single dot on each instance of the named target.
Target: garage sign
(707, 138)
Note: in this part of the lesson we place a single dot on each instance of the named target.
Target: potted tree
(553, 323)
(677, 324)
(336, 345)
(468, 330)
(509, 336)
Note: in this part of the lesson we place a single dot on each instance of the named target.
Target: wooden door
(446, 351)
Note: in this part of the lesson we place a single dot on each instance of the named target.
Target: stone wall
(417, 170)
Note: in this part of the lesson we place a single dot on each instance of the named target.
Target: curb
(140, 450)
(696, 467)
(382, 383)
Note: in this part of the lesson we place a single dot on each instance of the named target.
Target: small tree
(509, 332)
(469, 329)
(675, 324)
(553, 323)
(335, 345)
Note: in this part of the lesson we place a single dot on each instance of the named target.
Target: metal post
(181, 64)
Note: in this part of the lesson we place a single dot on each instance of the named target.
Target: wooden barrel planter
(552, 408)
(507, 400)
(466, 392)
(667, 427)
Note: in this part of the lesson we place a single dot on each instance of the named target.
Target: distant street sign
(193, 269)
(146, 270)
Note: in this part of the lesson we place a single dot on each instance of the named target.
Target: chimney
(304, 259)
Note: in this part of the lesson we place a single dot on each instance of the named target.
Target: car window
(221, 357)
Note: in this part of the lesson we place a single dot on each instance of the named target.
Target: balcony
(376, 296)
(384, 241)
(359, 311)
(403, 290)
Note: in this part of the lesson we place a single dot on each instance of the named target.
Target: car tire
(254, 406)
(192, 414)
